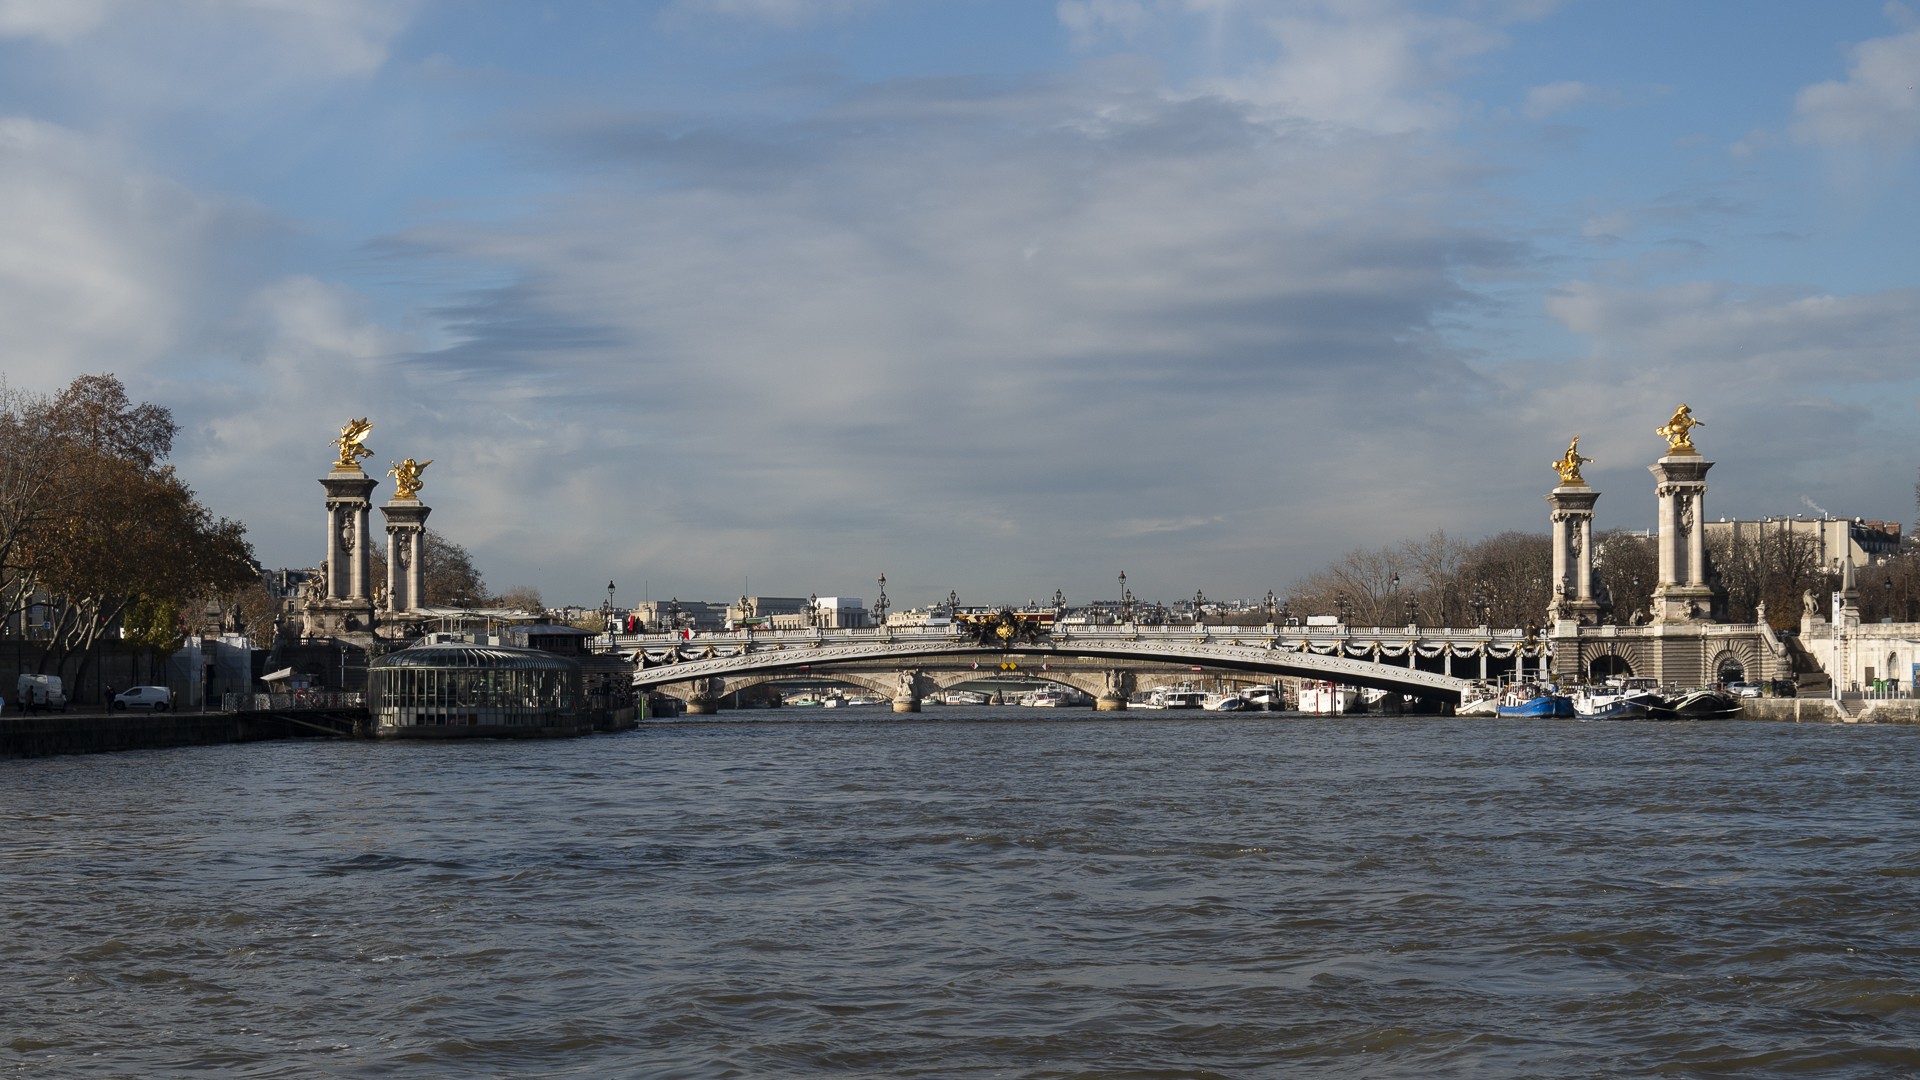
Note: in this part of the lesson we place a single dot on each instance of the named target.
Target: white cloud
(1090, 20)
(1552, 99)
(1876, 105)
(783, 13)
(53, 20)
(97, 263)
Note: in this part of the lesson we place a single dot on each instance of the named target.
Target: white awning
(283, 673)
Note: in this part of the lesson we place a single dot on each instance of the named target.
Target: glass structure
(454, 688)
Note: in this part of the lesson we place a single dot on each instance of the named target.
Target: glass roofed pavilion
(456, 690)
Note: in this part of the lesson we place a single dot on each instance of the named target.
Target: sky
(712, 297)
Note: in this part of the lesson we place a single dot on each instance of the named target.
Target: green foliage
(154, 624)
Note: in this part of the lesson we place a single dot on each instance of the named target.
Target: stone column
(406, 577)
(1572, 505)
(346, 607)
(1119, 688)
(1682, 595)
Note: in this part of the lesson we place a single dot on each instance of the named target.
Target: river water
(976, 893)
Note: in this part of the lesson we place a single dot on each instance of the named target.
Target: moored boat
(1330, 699)
(1179, 697)
(1706, 704)
(1621, 698)
(1525, 701)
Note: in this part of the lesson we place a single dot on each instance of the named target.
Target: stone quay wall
(1823, 710)
(47, 734)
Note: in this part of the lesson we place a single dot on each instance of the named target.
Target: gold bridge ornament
(1569, 466)
(352, 443)
(1678, 429)
(406, 477)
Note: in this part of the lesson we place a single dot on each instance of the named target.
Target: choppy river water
(976, 893)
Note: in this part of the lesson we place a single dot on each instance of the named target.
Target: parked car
(1744, 689)
(40, 692)
(153, 698)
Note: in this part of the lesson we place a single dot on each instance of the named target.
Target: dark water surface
(958, 895)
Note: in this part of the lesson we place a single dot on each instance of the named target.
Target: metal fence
(293, 699)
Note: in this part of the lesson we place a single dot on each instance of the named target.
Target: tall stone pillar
(343, 606)
(406, 551)
(350, 556)
(1573, 554)
(1682, 594)
(1572, 605)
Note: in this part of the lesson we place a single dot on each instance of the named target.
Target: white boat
(1620, 698)
(1144, 699)
(1262, 697)
(1180, 697)
(1330, 699)
(965, 697)
(1224, 703)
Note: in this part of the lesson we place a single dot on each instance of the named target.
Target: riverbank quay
(49, 734)
(1825, 710)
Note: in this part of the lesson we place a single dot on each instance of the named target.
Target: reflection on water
(978, 892)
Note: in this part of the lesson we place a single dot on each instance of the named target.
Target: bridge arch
(943, 659)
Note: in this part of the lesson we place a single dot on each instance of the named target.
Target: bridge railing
(1314, 634)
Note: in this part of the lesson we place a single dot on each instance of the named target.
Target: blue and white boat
(1529, 703)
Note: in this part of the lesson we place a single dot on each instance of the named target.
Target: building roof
(462, 655)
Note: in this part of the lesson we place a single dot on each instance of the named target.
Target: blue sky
(992, 296)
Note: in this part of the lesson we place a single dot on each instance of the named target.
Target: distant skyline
(997, 296)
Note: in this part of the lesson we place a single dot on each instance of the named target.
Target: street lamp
(606, 609)
(1059, 603)
(1272, 606)
(1126, 600)
(880, 605)
(953, 605)
(1345, 608)
(1199, 601)
(813, 611)
(673, 614)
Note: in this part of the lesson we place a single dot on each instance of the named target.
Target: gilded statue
(1569, 466)
(352, 443)
(406, 477)
(1677, 431)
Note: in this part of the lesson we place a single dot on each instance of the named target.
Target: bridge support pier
(1114, 697)
(907, 698)
(702, 705)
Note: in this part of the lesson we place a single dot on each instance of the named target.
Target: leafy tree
(111, 525)
(1774, 566)
(1626, 567)
(450, 576)
(521, 598)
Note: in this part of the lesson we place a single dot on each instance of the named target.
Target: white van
(47, 691)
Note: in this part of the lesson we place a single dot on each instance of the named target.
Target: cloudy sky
(999, 296)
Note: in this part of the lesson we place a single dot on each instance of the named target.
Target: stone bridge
(1104, 661)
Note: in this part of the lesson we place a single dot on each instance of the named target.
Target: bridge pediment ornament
(1004, 629)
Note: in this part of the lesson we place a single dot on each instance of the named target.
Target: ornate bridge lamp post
(1273, 607)
(606, 609)
(880, 605)
(1060, 605)
(813, 611)
(1126, 600)
(953, 605)
(673, 615)
(1199, 602)
(1346, 609)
